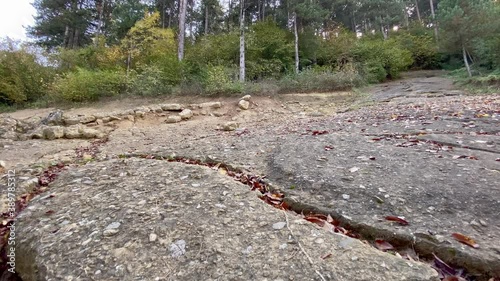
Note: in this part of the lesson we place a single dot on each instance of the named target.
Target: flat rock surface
(143, 219)
(415, 148)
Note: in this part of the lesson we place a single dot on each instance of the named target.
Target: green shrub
(150, 82)
(22, 78)
(218, 81)
(320, 81)
(381, 59)
(85, 85)
(423, 49)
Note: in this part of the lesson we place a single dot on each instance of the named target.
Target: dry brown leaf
(465, 240)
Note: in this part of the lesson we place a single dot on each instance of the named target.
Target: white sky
(15, 15)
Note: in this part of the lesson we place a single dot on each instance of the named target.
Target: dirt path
(415, 148)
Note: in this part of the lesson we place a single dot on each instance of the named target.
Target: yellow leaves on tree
(145, 41)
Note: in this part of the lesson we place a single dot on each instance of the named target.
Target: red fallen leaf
(399, 220)
(473, 158)
(49, 212)
(465, 240)
(327, 148)
(376, 139)
(498, 159)
(327, 256)
(383, 245)
(315, 220)
(316, 133)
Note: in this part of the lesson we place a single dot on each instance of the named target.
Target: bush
(150, 82)
(320, 81)
(85, 85)
(218, 81)
(423, 50)
(22, 78)
(381, 59)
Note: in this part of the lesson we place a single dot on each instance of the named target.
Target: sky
(15, 15)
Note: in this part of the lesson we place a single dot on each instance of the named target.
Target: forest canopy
(100, 48)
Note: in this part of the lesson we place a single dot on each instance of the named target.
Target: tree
(464, 22)
(242, 40)
(182, 28)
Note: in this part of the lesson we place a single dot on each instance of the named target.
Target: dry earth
(415, 148)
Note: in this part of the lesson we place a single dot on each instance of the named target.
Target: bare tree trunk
(206, 18)
(242, 41)
(76, 37)
(418, 12)
(434, 23)
(466, 61)
(129, 60)
(170, 15)
(163, 14)
(100, 8)
(264, 10)
(295, 32)
(384, 33)
(66, 37)
(182, 29)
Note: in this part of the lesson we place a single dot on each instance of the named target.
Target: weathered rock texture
(152, 220)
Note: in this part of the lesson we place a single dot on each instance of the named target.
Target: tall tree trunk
(76, 38)
(434, 23)
(100, 8)
(466, 61)
(66, 37)
(163, 14)
(296, 33)
(264, 10)
(242, 41)
(418, 12)
(206, 18)
(170, 15)
(182, 29)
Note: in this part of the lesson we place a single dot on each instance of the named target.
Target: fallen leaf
(317, 133)
(383, 245)
(326, 256)
(465, 240)
(223, 171)
(49, 212)
(327, 147)
(399, 220)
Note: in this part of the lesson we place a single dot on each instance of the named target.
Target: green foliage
(320, 80)
(336, 49)
(85, 85)
(423, 49)
(218, 81)
(221, 49)
(381, 59)
(22, 78)
(269, 50)
(96, 56)
(151, 81)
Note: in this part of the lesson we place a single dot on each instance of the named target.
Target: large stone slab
(139, 219)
